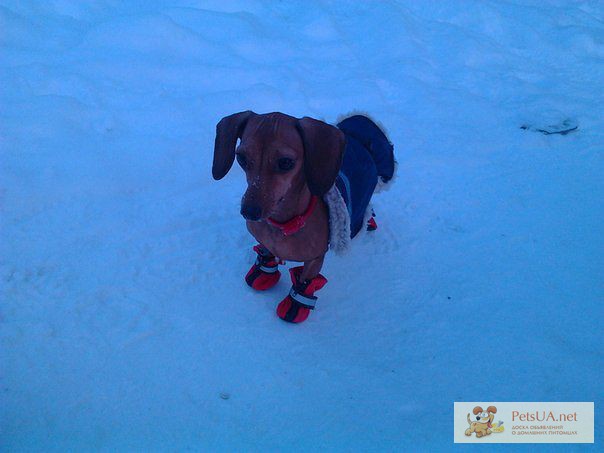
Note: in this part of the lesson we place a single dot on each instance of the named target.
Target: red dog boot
(301, 299)
(371, 223)
(264, 274)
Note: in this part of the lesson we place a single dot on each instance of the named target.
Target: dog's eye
(242, 160)
(285, 164)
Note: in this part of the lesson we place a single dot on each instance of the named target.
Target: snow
(124, 317)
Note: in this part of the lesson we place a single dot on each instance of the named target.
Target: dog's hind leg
(375, 141)
(306, 280)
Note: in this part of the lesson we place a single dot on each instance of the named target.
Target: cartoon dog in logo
(484, 421)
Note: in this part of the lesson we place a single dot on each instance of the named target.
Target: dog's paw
(292, 311)
(260, 280)
(301, 299)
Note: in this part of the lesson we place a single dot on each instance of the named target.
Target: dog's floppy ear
(228, 130)
(477, 410)
(492, 409)
(323, 151)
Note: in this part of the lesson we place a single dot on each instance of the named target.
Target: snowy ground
(124, 314)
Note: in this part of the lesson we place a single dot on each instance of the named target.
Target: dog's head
(484, 416)
(280, 155)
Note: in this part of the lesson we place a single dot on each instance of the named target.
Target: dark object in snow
(564, 128)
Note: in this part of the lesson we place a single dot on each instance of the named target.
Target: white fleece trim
(339, 221)
(355, 112)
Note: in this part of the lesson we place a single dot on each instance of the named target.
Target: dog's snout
(478, 417)
(251, 212)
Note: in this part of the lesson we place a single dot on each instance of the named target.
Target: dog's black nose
(478, 417)
(251, 212)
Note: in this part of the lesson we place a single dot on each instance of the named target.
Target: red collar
(296, 223)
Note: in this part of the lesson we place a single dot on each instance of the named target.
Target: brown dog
(484, 421)
(290, 164)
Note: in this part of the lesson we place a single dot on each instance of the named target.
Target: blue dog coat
(368, 163)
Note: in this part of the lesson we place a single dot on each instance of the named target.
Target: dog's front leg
(264, 273)
(311, 268)
(301, 298)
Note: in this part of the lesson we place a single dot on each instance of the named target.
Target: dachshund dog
(305, 179)
(484, 421)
